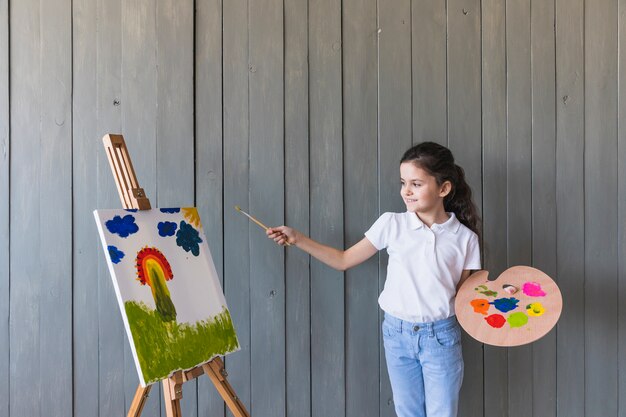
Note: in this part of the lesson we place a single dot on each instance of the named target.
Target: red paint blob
(496, 320)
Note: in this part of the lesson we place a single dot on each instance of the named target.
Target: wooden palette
(491, 315)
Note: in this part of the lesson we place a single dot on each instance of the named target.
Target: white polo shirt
(425, 264)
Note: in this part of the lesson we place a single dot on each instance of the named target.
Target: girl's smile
(420, 191)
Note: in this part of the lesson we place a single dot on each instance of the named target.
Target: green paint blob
(161, 294)
(517, 319)
(165, 346)
(486, 291)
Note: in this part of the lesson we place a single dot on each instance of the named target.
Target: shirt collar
(451, 225)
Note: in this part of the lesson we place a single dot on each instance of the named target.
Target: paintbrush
(255, 220)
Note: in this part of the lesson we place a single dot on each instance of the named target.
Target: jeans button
(416, 328)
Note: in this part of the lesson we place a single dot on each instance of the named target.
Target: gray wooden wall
(299, 111)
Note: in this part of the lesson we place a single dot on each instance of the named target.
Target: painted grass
(166, 347)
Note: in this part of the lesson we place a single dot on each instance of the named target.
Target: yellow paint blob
(535, 309)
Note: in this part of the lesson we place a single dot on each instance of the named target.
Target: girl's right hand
(283, 235)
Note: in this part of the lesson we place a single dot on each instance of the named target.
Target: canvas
(167, 287)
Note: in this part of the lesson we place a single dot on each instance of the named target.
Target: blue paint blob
(505, 304)
(167, 228)
(132, 210)
(188, 238)
(123, 226)
(170, 210)
(115, 254)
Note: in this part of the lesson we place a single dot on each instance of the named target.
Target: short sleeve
(378, 234)
(472, 257)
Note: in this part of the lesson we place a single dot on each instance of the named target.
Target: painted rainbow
(149, 259)
(154, 269)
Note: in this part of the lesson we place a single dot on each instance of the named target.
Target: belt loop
(431, 329)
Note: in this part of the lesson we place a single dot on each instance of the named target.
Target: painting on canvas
(167, 287)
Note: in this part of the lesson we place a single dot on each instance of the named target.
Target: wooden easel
(133, 197)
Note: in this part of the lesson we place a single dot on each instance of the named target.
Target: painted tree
(154, 269)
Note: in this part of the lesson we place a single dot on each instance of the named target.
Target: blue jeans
(425, 365)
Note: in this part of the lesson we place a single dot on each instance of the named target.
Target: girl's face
(420, 190)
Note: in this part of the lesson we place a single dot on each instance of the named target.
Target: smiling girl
(433, 247)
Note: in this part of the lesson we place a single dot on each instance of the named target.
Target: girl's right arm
(335, 258)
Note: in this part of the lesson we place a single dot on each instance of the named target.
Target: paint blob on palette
(519, 307)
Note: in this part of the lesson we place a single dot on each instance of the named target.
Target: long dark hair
(438, 161)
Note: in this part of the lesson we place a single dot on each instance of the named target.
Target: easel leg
(173, 392)
(141, 395)
(215, 370)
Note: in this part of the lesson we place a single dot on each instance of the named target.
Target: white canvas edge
(120, 300)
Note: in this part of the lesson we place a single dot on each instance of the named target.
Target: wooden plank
(360, 131)
(464, 140)
(395, 125)
(112, 342)
(429, 75)
(4, 207)
(601, 354)
(519, 182)
(25, 221)
(141, 85)
(464, 90)
(621, 205)
(544, 208)
(55, 207)
(174, 123)
(267, 284)
(494, 198)
(570, 194)
(208, 144)
(297, 283)
(174, 100)
(236, 183)
(327, 285)
(87, 253)
(139, 104)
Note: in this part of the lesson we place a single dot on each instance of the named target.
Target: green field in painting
(163, 347)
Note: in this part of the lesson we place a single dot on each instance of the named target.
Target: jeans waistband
(428, 327)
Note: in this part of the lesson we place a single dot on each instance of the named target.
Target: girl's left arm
(464, 276)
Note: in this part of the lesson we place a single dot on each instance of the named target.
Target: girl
(433, 247)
